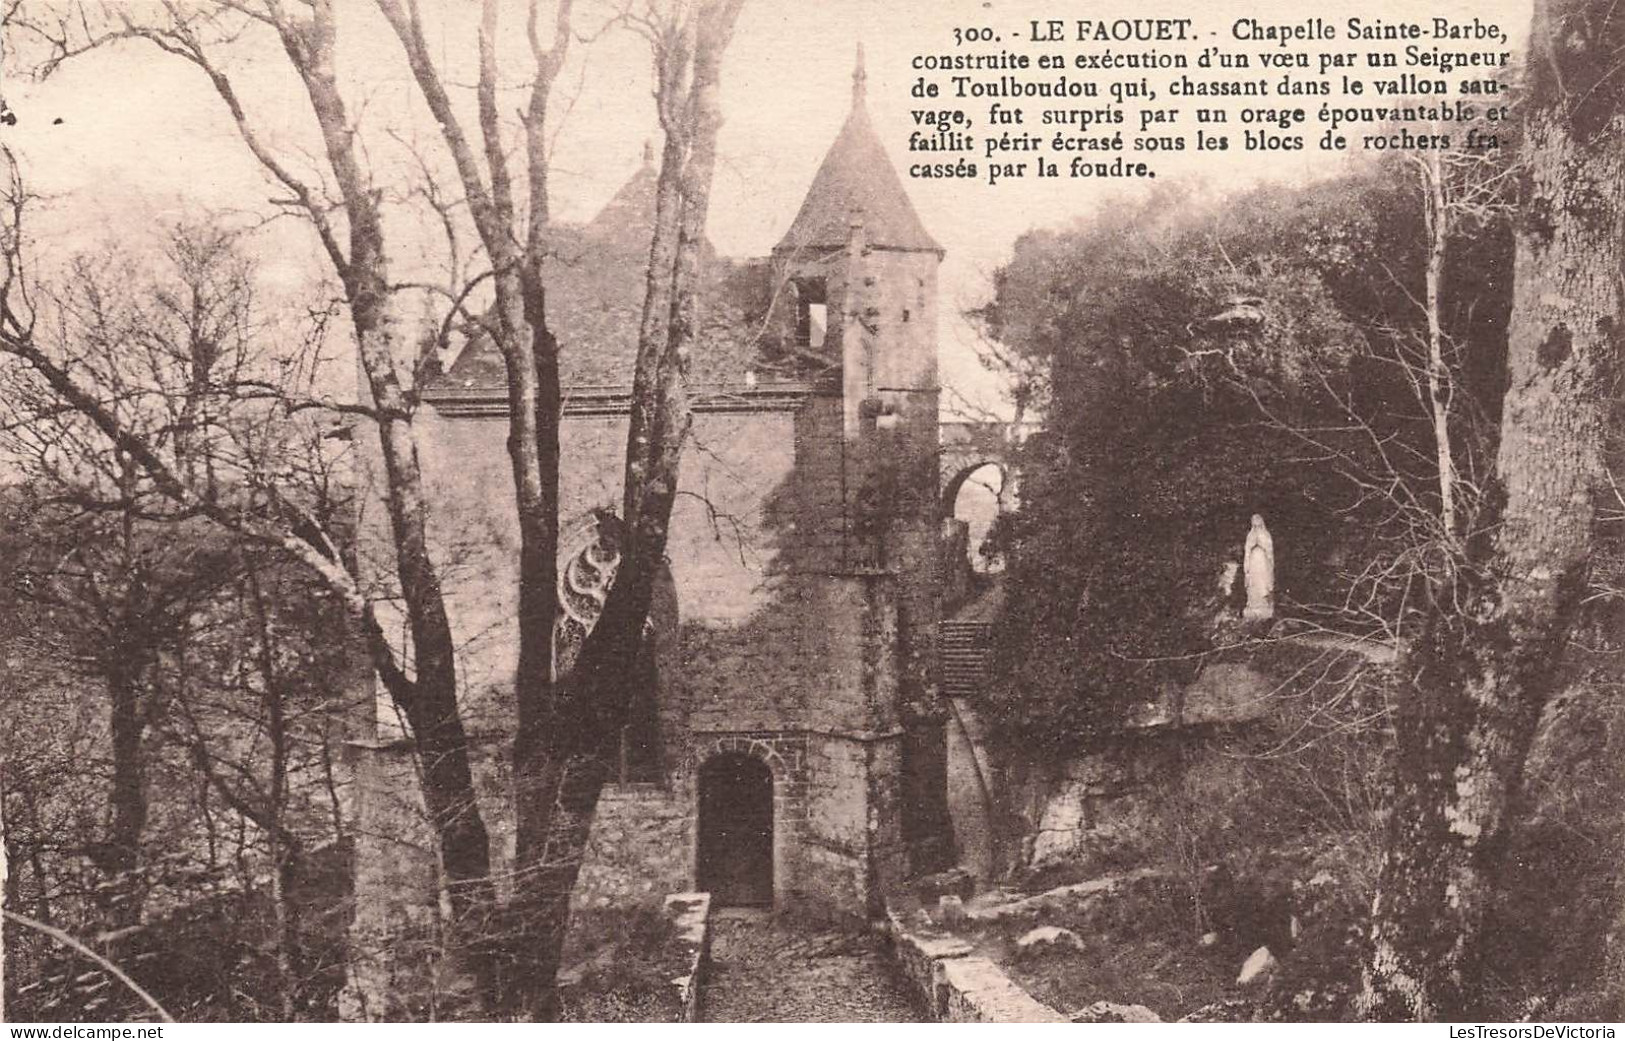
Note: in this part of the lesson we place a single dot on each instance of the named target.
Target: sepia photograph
(673, 511)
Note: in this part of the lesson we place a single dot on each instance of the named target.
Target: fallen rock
(1258, 967)
(1208, 940)
(1112, 1012)
(1048, 937)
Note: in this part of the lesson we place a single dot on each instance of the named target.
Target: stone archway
(971, 500)
(991, 474)
(736, 830)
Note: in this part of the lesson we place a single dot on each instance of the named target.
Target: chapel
(789, 748)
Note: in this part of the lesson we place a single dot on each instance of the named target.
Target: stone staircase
(964, 657)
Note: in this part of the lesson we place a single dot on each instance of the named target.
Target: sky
(124, 140)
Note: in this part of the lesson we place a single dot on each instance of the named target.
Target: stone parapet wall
(690, 917)
(953, 983)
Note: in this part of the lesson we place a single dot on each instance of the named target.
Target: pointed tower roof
(857, 175)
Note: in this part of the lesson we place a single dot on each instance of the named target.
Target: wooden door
(736, 831)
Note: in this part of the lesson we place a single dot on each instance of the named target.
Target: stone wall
(953, 983)
(1092, 810)
(768, 629)
(640, 848)
(834, 806)
(724, 548)
(1096, 809)
(844, 818)
(971, 795)
(395, 932)
(690, 916)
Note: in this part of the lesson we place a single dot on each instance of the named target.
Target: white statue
(1259, 561)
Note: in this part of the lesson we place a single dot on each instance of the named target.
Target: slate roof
(596, 281)
(857, 174)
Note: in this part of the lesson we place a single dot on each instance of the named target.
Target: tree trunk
(1485, 669)
(129, 775)
(565, 769)
(129, 792)
(130, 649)
(519, 946)
(540, 913)
(284, 848)
(1437, 209)
(429, 699)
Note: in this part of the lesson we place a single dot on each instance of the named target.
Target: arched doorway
(736, 831)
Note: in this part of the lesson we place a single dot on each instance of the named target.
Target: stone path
(764, 971)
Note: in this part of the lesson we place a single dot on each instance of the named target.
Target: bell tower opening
(736, 831)
(812, 313)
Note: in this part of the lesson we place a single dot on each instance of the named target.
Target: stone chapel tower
(860, 289)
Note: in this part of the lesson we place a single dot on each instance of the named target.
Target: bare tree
(255, 701)
(1460, 189)
(175, 356)
(573, 754)
(562, 728)
(119, 589)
